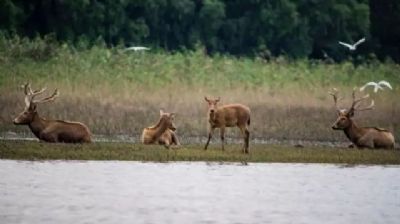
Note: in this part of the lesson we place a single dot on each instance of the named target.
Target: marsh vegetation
(116, 92)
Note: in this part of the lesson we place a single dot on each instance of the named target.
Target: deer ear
(218, 99)
(350, 113)
(161, 112)
(206, 99)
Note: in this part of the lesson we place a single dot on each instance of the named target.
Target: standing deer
(49, 130)
(362, 137)
(230, 115)
(162, 133)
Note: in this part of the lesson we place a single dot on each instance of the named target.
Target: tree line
(265, 28)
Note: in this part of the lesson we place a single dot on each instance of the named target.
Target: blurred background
(278, 57)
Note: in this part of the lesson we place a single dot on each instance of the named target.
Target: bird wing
(359, 41)
(136, 48)
(130, 48)
(385, 83)
(368, 84)
(142, 48)
(346, 44)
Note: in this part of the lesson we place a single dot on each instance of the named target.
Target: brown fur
(231, 115)
(363, 137)
(50, 130)
(53, 130)
(162, 133)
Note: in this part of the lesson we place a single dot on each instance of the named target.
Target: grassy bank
(118, 92)
(28, 150)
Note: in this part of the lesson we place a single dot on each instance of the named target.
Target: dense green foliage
(296, 28)
(29, 150)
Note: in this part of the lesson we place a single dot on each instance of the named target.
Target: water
(135, 192)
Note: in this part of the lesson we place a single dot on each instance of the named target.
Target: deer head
(344, 116)
(212, 104)
(26, 116)
(168, 119)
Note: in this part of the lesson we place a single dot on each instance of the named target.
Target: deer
(361, 137)
(230, 115)
(163, 132)
(53, 131)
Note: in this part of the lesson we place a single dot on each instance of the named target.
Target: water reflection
(135, 192)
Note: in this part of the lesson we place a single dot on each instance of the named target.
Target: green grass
(31, 150)
(116, 92)
(45, 61)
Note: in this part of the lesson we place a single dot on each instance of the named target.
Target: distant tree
(11, 15)
(294, 28)
(210, 19)
(385, 27)
(330, 21)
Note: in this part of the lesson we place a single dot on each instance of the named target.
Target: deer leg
(210, 132)
(167, 144)
(47, 137)
(246, 135)
(247, 138)
(222, 133)
(175, 139)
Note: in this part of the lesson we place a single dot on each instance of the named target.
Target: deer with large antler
(49, 130)
(362, 137)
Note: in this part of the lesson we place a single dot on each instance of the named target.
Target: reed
(116, 92)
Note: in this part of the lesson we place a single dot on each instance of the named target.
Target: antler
(49, 98)
(370, 107)
(28, 91)
(355, 104)
(334, 93)
(30, 95)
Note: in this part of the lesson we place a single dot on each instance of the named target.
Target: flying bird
(352, 47)
(137, 48)
(377, 86)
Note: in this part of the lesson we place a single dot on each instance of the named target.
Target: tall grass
(119, 92)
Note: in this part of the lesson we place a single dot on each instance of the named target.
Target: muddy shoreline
(192, 140)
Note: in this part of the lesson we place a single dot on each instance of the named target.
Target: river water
(136, 192)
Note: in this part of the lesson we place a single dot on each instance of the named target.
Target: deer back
(68, 131)
(380, 138)
(232, 115)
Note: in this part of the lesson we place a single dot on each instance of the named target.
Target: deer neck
(37, 125)
(160, 128)
(212, 117)
(353, 132)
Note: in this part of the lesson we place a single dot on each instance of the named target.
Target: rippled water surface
(135, 192)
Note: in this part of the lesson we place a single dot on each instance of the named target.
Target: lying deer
(49, 130)
(362, 137)
(231, 115)
(162, 133)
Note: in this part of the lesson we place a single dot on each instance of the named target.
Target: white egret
(377, 86)
(137, 48)
(352, 47)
